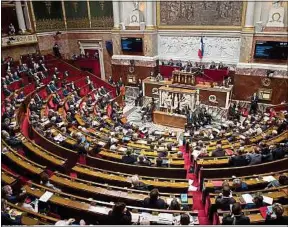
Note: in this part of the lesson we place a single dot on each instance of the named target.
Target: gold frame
(199, 27)
(267, 91)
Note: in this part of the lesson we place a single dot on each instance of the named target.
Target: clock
(266, 82)
(276, 17)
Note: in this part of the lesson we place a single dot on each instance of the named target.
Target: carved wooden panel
(201, 13)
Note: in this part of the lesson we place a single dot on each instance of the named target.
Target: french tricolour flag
(201, 49)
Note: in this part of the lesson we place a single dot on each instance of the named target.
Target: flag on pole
(201, 49)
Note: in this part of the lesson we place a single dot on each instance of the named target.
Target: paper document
(165, 217)
(190, 182)
(247, 198)
(135, 217)
(46, 196)
(267, 200)
(268, 178)
(192, 188)
(98, 209)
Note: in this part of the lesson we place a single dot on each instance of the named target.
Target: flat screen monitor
(271, 50)
(132, 44)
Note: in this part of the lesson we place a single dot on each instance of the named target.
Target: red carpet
(197, 195)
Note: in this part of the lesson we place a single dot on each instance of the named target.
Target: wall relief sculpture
(216, 49)
(196, 13)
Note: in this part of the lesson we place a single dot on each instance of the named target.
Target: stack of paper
(98, 209)
(247, 198)
(46, 196)
(267, 200)
(268, 178)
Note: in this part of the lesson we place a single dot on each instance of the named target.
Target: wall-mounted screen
(271, 50)
(132, 44)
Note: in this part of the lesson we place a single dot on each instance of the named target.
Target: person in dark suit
(239, 159)
(128, 158)
(56, 51)
(179, 64)
(254, 158)
(279, 219)
(137, 184)
(219, 152)
(6, 218)
(7, 193)
(119, 215)
(6, 91)
(278, 152)
(254, 104)
(153, 201)
(224, 200)
(143, 161)
(237, 217)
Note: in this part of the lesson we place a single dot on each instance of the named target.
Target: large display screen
(271, 50)
(132, 44)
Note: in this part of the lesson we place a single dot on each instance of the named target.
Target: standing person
(56, 51)
(254, 104)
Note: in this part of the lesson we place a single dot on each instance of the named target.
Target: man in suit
(254, 157)
(6, 91)
(153, 201)
(237, 217)
(239, 159)
(224, 200)
(219, 152)
(129, 158)
(254, 104)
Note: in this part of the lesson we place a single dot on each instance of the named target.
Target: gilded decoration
(78, 23)
(50, 24)
(102, 22)
(210, 13)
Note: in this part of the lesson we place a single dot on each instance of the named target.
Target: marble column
(20, 16)
(27, 17)
(249, 19)
(149, 15)
(116, 14)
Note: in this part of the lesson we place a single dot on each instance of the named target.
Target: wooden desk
(8, 178)
(105, 192)
(171, 120)
(150, 85)
(120, 179)
(43, 156)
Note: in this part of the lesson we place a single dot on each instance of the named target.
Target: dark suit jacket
(129, 159)
(123, 219)
(158, 204)
(278, 221)
(219, 152)
(239, 160)
(223, 203)
(236, 220)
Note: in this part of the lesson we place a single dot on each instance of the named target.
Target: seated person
(20, 97)
(129, 158)
(45, 181)
(153, 201)
(184, 219)
(9, 217)
(239, 159)
(282, 180)
(237, 217)
(23, 202)
(137, 184)
(238, 185)
(219, 152)
(143, 161)
(279, 151)
(119, 215)
(11, 140)
(224, 200)
(174, 205)
(254, 157)
(7, 193)
(257, 202)
(277, 218)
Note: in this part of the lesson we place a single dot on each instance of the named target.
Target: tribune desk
(171, 120)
